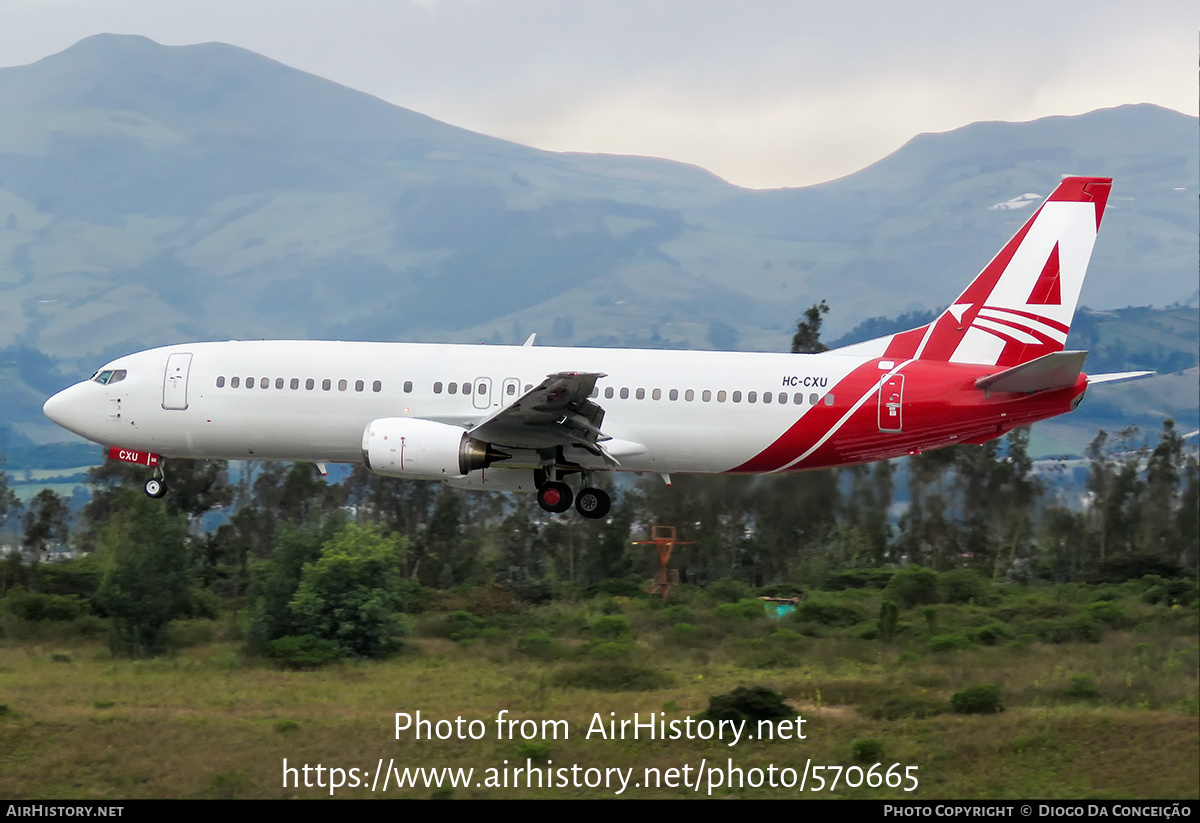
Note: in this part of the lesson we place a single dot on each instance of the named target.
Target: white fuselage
(667, 411)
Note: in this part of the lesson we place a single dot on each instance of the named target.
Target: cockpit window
(108, 376)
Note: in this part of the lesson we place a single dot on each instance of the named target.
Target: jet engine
(412, 447)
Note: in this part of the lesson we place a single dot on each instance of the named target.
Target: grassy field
(1114, 718)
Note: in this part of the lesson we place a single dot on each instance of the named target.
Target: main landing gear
(555, 496)
(156, 486)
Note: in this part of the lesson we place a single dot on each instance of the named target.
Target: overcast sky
(764, 93)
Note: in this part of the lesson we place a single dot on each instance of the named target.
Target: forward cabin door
(891, 404)
(175, 381)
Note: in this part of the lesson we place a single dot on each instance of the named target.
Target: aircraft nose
(56, 407)
(69, 409)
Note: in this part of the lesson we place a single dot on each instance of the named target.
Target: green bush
(1082, 687)
(462, 625)
(1110, 613)
(867, 750)
(611, 627)
(747, 609)
(1078, 629)
(991, 634)
(949, 642)
(827, 613)
(607, 649)
(303, 651)
(727, 590)
(29, 605)
(965, 586)
(748, 703)
(612, 677)
(540, 646)
(684, 634)
(353, 594)
(1170, 592)
(913, 586)
(977, 700)
(859, 579)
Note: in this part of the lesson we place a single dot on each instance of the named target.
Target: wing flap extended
(556, 412)
(1057, 370)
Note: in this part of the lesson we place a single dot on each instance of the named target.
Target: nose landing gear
(156, 486)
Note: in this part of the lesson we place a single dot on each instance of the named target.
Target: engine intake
(412, 447)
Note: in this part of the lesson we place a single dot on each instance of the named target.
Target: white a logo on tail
(1020, 306)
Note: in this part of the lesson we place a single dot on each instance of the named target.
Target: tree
(353, 594)
(9, 504)
(149, 583)
(45, 522)
(807, 339)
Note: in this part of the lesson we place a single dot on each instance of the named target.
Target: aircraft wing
(556, 412)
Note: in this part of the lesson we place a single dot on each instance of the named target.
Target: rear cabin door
(175, 381)
(891, 404)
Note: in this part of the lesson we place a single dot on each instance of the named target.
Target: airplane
(530, 418)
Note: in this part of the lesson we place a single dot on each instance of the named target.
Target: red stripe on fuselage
(941, 407)
(809, 429)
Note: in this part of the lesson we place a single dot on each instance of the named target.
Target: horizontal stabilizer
(1113, 377)
(1057, 370)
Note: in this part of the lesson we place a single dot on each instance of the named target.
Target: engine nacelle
(412, 447)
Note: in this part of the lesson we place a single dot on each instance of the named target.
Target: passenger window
(624, 394)
(407, 385)
(798, 398)
(641, 394)
(452, 388)
(674, 395)
(279, 382)
(511, 389)
(707, 396)
(766, 397)
(812, 399)
(595, 391)
(359, 385)
(752, 397)
(437, 387)
(249, 382)
(737, 397)
(689, 395)
(783, 397)
(295, 383)
(378, 386)
(310, 384)
(829, 400)
(528, 386)
(721, 396)
(234, 381)
(326, 384)
(220, 382)
(608, 393)
(656, 394)
(342, 384)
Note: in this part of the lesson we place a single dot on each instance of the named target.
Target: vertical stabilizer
(1020, 306)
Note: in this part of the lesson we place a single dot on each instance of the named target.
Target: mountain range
(153, 194)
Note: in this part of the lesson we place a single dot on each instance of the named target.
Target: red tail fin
(1020, 306)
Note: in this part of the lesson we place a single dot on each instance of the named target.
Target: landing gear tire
(593, 503)
(554, 497)
(155, 488)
